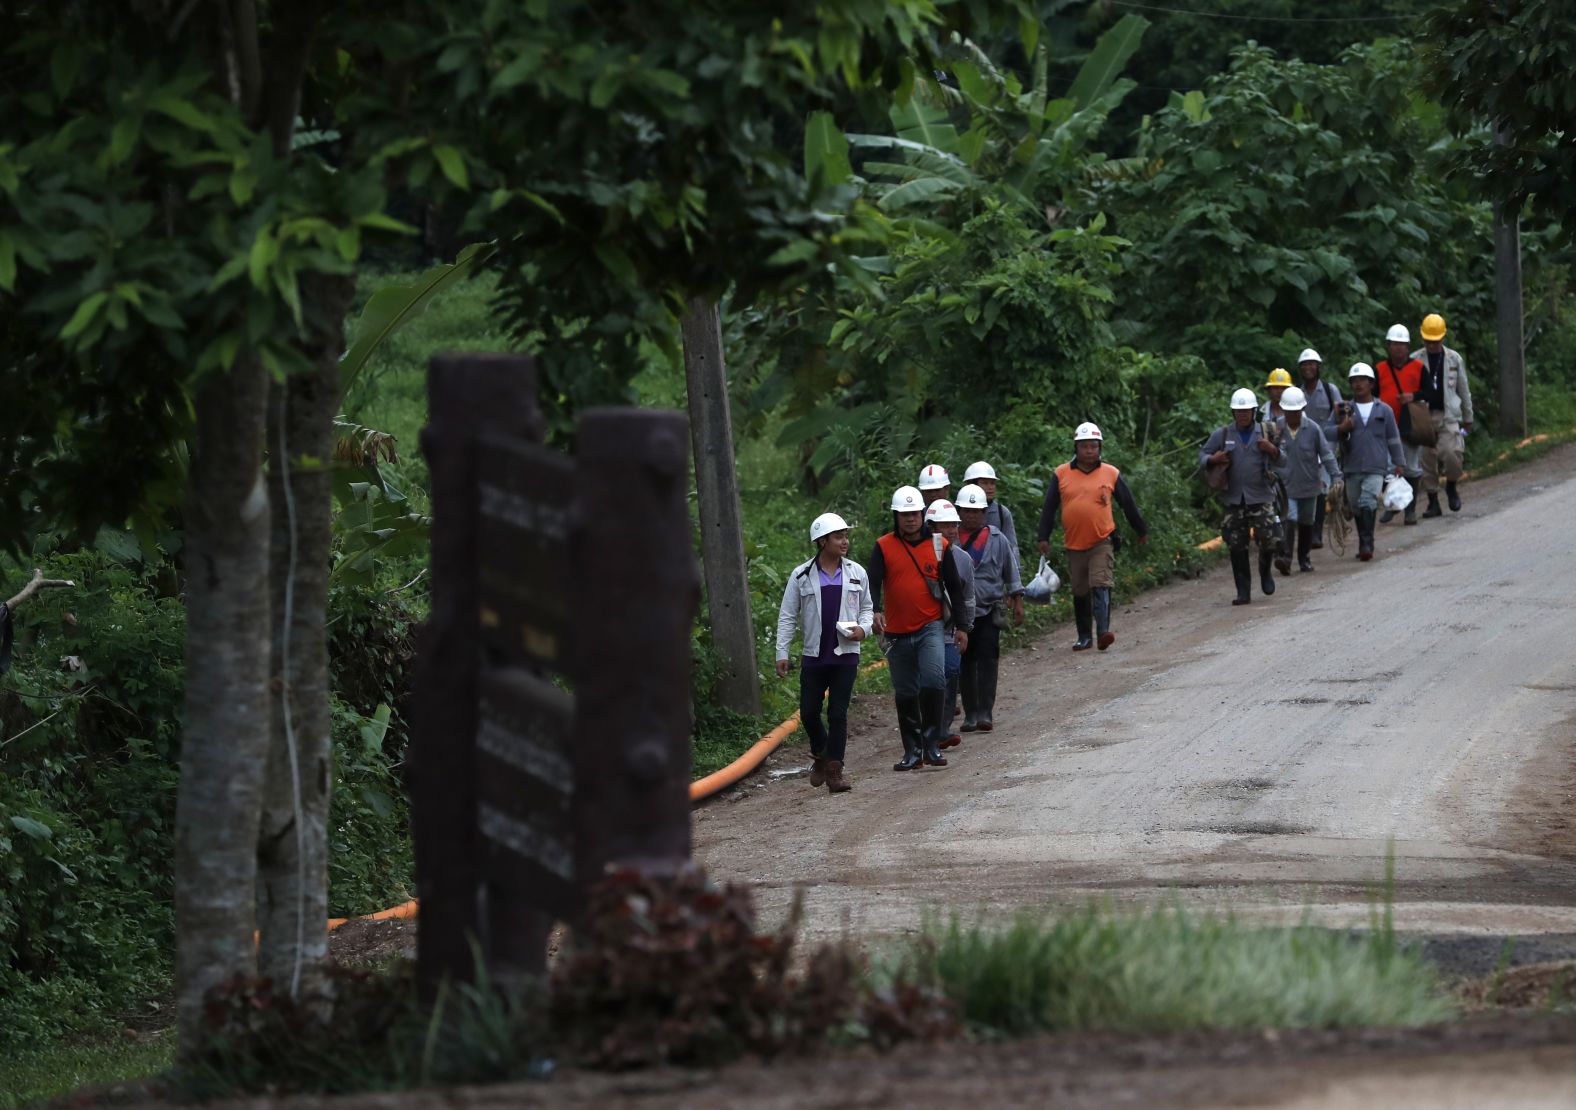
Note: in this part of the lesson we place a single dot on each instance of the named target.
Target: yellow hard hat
(1278, 377)
(1433, 328)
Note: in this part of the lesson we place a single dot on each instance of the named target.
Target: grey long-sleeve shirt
(1251, 469)
(1307, 454)
(1000, 516)
(1373, 446)
(996, 573)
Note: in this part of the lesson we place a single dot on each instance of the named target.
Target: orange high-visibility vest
(1086, 504)
(906, 599)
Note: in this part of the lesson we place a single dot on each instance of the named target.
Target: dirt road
(1262, 758)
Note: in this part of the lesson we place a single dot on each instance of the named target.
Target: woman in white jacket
(827, 600)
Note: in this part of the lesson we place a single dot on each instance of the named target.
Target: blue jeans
(917, 661)
(952, 658)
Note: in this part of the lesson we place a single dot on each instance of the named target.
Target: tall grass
(1168, 970)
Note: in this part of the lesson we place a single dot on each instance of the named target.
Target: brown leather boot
(835, 782)
(817, 770)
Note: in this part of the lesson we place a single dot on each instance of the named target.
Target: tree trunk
(721, 521)
(226, 698)
(292, 846)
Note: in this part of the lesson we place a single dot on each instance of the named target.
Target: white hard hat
(907, 499)
(1398, 334)
(825, 524)
(1361, 370)
(972, 497)
(1309, 355)
(1087, 430)
(981, 469)
(1294, 399)
(934, 477)
(942, 512)
(1244, 399)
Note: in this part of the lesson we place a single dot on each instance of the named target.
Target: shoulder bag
(1417, 422)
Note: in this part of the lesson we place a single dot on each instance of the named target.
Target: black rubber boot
(1433, 509)
(1242, 572)
(967, 684)
(950, 739)
(931, 703)
(985, 685)
(1283, 549)
(1102, 617)
(1083, 614)
(1452, 497)
(1318, 524)
(1411, 508)
(1365, 534)
(908, 724)
(1304, 545)
(1266, 579)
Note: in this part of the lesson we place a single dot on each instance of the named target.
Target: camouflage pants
(1262, 520)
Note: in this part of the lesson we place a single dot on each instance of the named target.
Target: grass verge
(33, 1076)
(1168, 971)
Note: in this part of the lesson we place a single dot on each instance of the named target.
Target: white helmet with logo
(942, 512)
(1294, 399)
(1361, 370)
(825, 525)
(934, 477)
(907, 499)
(981, 469)
(1087, 430)
(1398, 334)
(1309, 355)
(972, 497)
(1244, 399)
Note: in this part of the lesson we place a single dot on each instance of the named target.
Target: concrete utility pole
(1507, 296)
(721, 521)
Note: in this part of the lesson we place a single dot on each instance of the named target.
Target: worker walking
(998, 592)
(942, 516)
(827, 600)
(1322, 397)
(912, 584)
(1083, 492)
(1310, 465)
(1444, 386)
(1253, 465)
(1370, 439)
(934, 483)
(1272, 412)
(997, 515)
(1399, 376)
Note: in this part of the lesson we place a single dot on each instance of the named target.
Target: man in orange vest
(1400, 376)
(914, 583)
(1084, 491)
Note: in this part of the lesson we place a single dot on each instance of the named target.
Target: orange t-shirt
(906, 599)
(1086, 501)
(1411, 376)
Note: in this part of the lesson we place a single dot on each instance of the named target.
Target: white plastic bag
(1397, 494)
(1042, 585)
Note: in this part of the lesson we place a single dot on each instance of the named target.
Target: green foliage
(1506, 61)
(1297, 205)
(28, 1078)
(1168, 970)
(89, 749)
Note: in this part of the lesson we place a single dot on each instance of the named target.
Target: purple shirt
(831, 610)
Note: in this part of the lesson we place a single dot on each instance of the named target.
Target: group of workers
(943, 583)
(1281, 467)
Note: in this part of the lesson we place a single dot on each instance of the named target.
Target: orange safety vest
(1086, 504)
(1411, 376)
(906, 599)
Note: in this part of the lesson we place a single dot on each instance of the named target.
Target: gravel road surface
(1265, 758)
